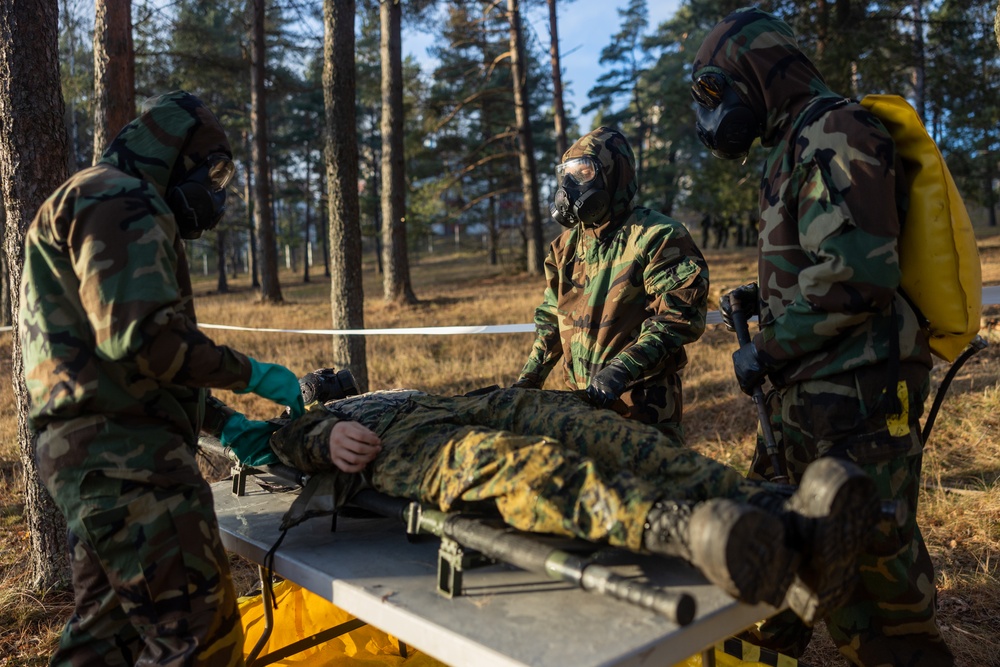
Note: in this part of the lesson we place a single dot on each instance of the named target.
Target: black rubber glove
(750, 370)
(528, 381)
(608, 383)
(748, 298)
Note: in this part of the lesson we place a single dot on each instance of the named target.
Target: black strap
(269, 567)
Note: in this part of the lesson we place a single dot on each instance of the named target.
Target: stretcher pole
(509, 546)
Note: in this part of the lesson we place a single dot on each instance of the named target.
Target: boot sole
(743, 550)
(841, 502)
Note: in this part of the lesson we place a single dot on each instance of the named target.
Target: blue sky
(585, 27)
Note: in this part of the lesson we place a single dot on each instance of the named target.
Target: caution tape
(991, 297)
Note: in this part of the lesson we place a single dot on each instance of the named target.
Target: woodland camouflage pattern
(547, 460)
(829, 264)
(829, 277)
(634, 288)
(117, 372)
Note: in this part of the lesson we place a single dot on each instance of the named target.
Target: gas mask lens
(220, 171)
(707, 90)
(581, 170)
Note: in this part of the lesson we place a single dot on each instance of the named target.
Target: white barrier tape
(991, 297)
(408, 331)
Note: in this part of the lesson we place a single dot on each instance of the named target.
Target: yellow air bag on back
(939, 258)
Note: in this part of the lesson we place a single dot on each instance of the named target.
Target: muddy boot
(741, 549)
(829, 519)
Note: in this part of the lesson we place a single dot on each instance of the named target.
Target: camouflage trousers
(547, 460)
(890, 620)
(151, 579)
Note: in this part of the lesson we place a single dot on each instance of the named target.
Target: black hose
(978, 343)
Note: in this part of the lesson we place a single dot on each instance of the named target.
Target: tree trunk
(376, 191)
(72, 125)
(396, 279)
(346, 293)
(529, 180)
(920, 61)
(222, 286)
(254, 263)
(5, 289)
(991, 197)
(270, 287)
(324, 226)
(306, 254)
(33, 158)
(558, 110)
(114, 71)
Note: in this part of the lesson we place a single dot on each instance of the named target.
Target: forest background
(459, 147)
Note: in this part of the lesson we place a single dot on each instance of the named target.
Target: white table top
(505, 617)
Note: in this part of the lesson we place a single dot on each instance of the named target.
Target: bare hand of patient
(353, 446)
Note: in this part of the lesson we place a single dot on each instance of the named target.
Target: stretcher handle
(743, 336)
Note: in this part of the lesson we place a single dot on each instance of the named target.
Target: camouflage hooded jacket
(829, 227)
(106, 319)
(634, 288)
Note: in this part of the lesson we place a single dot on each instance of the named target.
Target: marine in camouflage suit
(550, 462)
(623, 294)
(842, 347)
(118, 373)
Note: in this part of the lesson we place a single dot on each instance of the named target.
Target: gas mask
(199, 200)
(726, 125)
(580, 197)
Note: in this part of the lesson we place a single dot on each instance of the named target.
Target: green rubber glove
(249, 440)
(276, 383)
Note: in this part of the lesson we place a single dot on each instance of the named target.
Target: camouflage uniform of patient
(633, 288)
(549, 462)
(839, 340)
(115, 366)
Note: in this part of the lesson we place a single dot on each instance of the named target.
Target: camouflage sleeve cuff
(304, 443)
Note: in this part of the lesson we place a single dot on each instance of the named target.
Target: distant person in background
(737, 226)
(706, 228)
(721, 232)
(750, 229)
(844, 349)
(626, 289)
(118, 373)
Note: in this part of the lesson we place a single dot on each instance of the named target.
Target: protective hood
(611, 150)
(168, 140)
(758, 54)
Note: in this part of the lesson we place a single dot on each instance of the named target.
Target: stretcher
(399, 569)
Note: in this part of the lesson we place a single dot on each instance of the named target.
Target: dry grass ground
(960, 506)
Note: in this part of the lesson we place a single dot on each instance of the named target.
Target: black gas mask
(199, 200)
(726, 125)
(581, 196)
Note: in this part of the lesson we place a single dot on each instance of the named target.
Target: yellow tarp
(301, 614)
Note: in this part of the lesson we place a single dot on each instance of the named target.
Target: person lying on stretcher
(550, 462)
